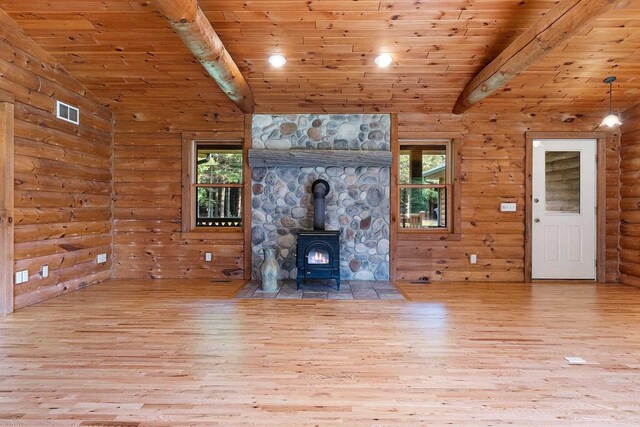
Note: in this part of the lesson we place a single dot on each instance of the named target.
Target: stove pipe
(320, 188)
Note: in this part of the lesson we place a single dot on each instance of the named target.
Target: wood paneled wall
(492, 171)
(62, 203)
(148, 195)
(148, 237)
(630, 198)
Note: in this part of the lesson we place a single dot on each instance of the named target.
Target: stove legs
(300, 278)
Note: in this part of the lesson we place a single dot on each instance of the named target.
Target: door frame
(6, 201)
(601, 141)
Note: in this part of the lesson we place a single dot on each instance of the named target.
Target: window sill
(206, 232)
(418, 235)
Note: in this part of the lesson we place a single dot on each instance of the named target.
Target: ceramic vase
(269, 270)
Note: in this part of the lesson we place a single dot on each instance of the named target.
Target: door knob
(536, 220)
(536, 200)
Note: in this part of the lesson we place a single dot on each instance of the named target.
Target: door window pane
(423, 207)
(562, 181)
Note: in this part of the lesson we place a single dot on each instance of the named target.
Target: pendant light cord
(610, 97)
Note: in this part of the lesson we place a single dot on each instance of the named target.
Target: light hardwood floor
(180, 353)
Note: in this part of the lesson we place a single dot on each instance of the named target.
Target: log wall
(148, 237)
(492, 171)
(62, 173)
(148, 196)
(630, 198)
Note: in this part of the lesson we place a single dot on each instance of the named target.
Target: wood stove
(318, 256)
(318, 252)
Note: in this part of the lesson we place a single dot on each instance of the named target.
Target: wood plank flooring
(182, 353)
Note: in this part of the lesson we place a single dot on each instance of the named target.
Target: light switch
(507, 207)
(208, 256)
(45, 271)
(473, 259)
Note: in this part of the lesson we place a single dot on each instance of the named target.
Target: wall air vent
(67, 113)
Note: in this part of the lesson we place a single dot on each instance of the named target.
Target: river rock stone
(288, 222)
(258, 174)
(270, 180)
(258, 217)
(258, 189)
(385, 122)
(298, 212)
(365, 223)
(262, 120)
(286, 241)
(376, 135)
(383, 246)
(314, 134)
(258, 235)
(340, 144)
(347, 131)
(288, 128)
(357, 205)
(277, 144)
(374, 196)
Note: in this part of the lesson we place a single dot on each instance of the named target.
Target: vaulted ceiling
(128, 55)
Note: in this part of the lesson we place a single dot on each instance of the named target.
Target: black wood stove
(318, 251)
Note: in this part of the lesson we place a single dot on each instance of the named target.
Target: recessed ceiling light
(277, 60)
(384, 60)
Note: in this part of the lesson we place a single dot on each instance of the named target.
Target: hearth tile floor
(349, 290)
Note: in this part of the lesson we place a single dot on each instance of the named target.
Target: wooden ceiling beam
(195, 30)
(555, 27)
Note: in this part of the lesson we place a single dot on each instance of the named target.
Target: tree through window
(425, 185)
(218, 185)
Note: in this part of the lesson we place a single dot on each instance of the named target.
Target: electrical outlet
(508, 207)
(18, 277)
(45, 271)
(101, 258)
(473, 259)
(208, 256)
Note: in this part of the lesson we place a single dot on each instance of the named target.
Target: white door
(564, 209)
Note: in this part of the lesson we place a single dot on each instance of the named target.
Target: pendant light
(611, 119)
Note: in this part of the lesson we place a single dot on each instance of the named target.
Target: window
(426, 185)
(214, 180)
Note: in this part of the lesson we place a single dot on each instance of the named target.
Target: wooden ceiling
(129, 57)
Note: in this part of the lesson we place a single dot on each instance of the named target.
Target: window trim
(452, 231)
(189, 143)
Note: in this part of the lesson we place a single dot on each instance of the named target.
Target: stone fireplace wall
(357, 205)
